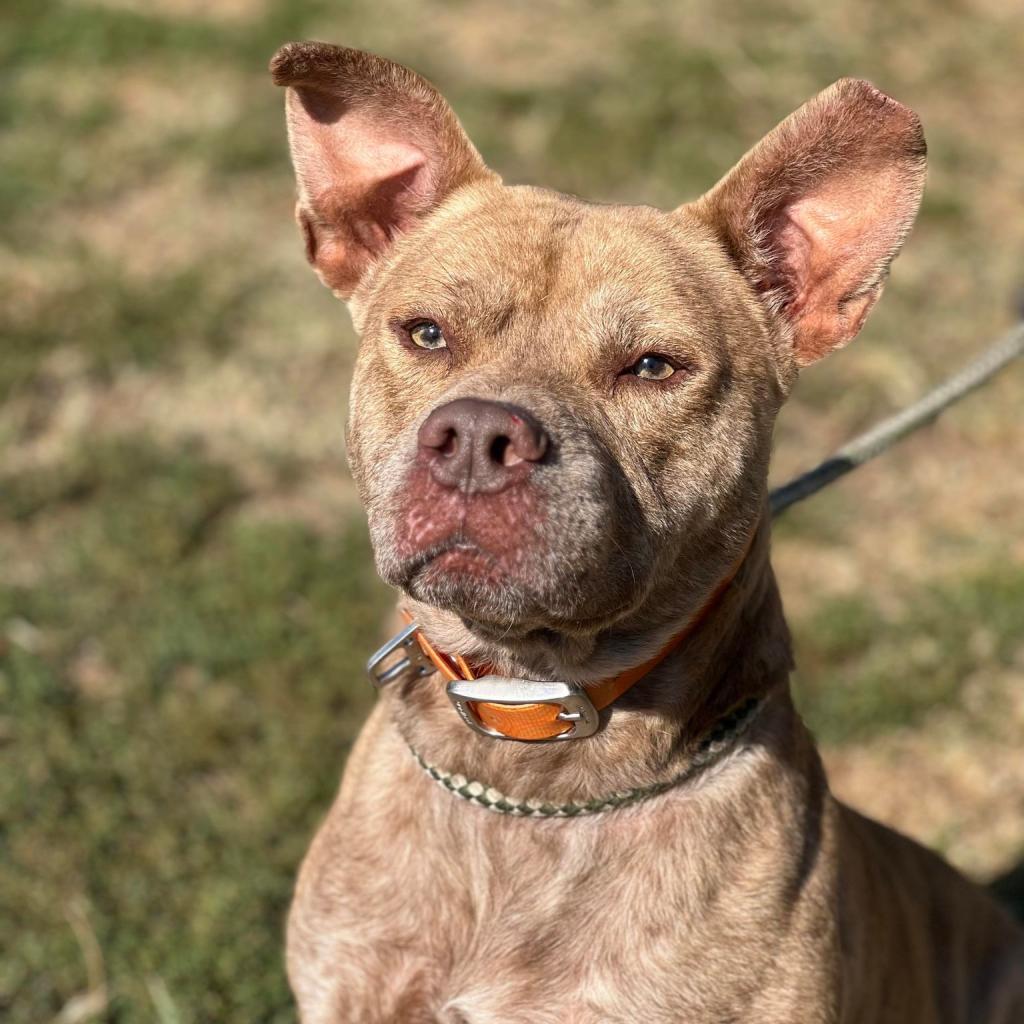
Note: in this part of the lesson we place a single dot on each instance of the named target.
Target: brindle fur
(750, 894)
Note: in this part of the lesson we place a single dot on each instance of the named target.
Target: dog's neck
(741, 650)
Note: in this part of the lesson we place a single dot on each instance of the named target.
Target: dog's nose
(479, 446)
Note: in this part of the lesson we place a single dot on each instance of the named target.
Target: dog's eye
(651, 367)
(426, 334)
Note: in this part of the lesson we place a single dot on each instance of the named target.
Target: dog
(584, 794)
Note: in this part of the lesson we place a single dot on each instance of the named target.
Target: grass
(157, 682)
(186, 594)
(140, 322)
(862, 671)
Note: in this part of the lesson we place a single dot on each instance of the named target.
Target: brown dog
(561, 422)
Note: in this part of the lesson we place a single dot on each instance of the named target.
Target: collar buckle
(577, 708)
(382, 668)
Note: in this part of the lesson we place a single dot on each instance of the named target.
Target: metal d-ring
(412, 659)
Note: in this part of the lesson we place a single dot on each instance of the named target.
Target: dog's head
(562, 411)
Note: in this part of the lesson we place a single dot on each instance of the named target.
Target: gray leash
(885, 434)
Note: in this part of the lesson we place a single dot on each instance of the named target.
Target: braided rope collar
(726, 731)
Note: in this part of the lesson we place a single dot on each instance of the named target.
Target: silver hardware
(413, 659)
(576, 705)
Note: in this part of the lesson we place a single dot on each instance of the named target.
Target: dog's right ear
(375, 148)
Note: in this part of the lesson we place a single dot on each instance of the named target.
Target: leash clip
(412, 659)
(577, 708)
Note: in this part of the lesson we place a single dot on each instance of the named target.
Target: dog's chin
(467, 581)
(500, 605)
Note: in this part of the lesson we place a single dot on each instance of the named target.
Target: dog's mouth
(456, 556)
(461, 576)
(527, 559)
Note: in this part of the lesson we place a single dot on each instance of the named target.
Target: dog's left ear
(375, 148)
(815, 213)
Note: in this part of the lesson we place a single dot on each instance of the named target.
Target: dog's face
(553, 408)
(562, 412)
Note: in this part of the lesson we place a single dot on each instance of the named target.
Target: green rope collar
(714, 744)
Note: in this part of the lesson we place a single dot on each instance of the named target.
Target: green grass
(860, 671)
(602, 138)
(179, 688)
(99, 35)
(114, 320)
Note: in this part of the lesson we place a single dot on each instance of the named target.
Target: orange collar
(548, 721)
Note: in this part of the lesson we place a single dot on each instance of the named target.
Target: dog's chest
(549, 957)
(620, 918)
